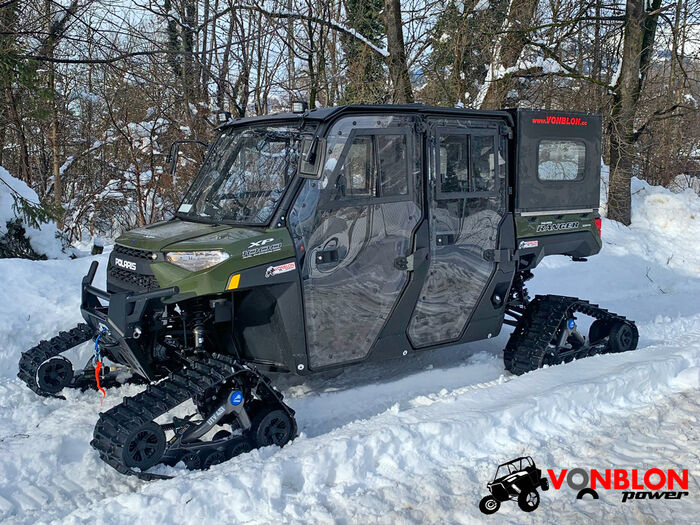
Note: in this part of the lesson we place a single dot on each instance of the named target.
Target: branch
(660, 114)
(337, 26)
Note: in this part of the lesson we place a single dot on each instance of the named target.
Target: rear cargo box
(558, 162)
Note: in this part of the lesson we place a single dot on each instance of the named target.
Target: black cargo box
(557, 161)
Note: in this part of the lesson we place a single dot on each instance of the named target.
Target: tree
(402, 92)
(638, 42)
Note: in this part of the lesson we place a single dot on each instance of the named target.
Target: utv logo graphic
(644, 484)
(516, 480)
(128, 265)
(557, 226)
(261, 247)
(276, 270)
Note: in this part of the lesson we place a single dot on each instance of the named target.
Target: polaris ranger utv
(329, 237)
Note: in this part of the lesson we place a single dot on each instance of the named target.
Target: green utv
(323, 238)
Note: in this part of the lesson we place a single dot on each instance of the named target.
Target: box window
(561, 160)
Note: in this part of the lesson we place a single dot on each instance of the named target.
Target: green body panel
(539, 225)
(182, 236)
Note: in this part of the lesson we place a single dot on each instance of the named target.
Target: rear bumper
(121, 319)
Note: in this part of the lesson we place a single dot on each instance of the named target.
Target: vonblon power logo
(634, 484)
(519, 480)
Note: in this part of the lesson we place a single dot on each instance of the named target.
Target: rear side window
(373, 166)
(561, 160)
(467, 163)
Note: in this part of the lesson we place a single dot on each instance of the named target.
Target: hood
(159, 236)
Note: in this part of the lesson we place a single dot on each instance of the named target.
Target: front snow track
(128, 439)
(34, 361)
(538, 338)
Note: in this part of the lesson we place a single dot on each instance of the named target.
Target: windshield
(244, 176)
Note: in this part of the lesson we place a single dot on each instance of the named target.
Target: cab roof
(325, 114)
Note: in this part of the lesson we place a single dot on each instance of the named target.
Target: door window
(357, 175)
(393, 164)
(373, 165)
(467, 163)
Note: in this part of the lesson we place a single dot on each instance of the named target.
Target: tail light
(599, 226)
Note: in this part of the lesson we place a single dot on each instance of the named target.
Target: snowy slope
(413, 441)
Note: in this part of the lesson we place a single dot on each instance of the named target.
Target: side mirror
(313, 154)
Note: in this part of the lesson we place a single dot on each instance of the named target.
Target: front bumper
(122, 321)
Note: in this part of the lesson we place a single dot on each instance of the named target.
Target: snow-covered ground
(412, 441)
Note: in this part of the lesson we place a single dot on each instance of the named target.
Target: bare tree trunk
(25, 166)
(223, 72)
(402, 92)
(57, 182)
(639, 35)
(508, 51)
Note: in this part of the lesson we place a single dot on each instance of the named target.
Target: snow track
(410, 441)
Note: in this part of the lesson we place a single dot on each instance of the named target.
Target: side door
(353, 225)
(467, 202)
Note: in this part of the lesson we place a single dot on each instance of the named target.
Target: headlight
(195, 261)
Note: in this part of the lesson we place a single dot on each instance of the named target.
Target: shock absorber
(197, 320)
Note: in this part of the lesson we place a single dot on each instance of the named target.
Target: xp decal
(518, 480)
(261, 248)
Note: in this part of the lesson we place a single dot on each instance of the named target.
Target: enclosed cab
(396, 228)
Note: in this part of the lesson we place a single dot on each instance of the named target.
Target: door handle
(328, 256)
(445, 239)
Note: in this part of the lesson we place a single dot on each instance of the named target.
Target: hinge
(498, 256)
(405, 264)
(419, 125)
(506, 131)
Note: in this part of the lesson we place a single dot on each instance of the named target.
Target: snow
(409, 441)
(43, 240)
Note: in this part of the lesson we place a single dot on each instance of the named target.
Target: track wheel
(623, 337)
(144, 447)
(239, 445)
(489, 505)
(192, 461)
(598, 331)
(214, 458)
(272, 426)
(528, 500)
(54, 374)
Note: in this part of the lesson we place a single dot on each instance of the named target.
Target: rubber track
(529, 343)
(33, 358)
(116, 424)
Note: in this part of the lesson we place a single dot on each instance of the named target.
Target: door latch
(498, 255)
